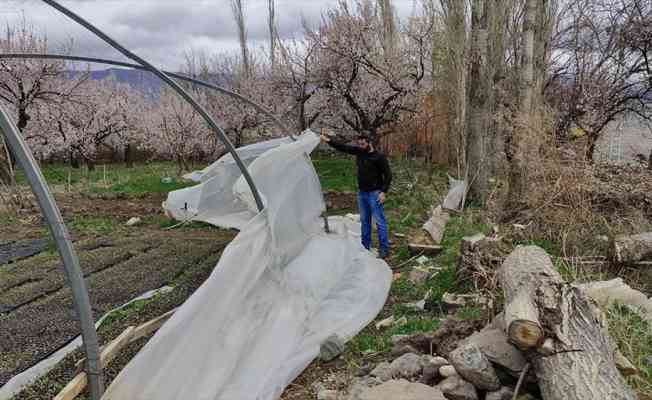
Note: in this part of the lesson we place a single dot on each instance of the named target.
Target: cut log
(427, 250)
(628, 249)
(436, 225)
(606, 293)
(522, 272)
(580, 364)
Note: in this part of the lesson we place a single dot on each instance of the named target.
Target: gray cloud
(162, 30)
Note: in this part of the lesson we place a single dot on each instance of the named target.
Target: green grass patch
(337, 174)
(7, 219)
(633, 335)
(414, 325)
(458, 227)
(371, 340)
(94, 225)
(154, 177)
(124, 312)
(366, 342)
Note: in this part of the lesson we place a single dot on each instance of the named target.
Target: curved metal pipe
(165, 78)
(61, 237)
(198, 82)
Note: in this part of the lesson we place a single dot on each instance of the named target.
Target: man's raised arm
(344, 148)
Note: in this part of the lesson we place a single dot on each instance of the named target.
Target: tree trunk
(518, 177)
(74, 161)
(649, 161)
(590, 147)
(271, 24)
(237, 7)
(129, 157)
(7, 175)
(455, 84)
(577, 361)
(544, 23)
(23, 118)
(389, 29)
(303, 125)
(476, 133)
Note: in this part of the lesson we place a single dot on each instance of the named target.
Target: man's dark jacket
(373, 167)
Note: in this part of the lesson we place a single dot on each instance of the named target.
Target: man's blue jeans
(369, 207)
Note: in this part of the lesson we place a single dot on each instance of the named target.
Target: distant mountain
(142, 81)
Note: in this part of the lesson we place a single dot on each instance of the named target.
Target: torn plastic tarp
(455, 196)
(214, 201)
(280, 289)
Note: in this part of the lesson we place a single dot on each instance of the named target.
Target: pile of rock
(466, 375)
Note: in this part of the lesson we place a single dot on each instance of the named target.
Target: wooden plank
(428, 250)
(113, 348)
(151, 326)
(143, 330)
(73, 388)
(79, 382)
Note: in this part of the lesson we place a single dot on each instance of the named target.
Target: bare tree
(364, 91)
(273, 31)
(237, 6)
(389, 26)
(604, 72)
(296, 75)
(25, 83)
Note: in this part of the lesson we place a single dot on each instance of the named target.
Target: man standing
(374, 178)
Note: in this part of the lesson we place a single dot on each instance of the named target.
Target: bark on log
(630, 249)
(580, 363)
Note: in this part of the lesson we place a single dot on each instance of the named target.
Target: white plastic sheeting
(214, 201)
(280, 289)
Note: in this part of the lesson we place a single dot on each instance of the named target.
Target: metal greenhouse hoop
(52, 214)
(61, 237)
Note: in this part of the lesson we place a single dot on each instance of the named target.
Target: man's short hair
(363, 136)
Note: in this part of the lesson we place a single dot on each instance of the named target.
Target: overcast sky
(161, 30)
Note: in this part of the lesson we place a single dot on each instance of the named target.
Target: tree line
(514, 77)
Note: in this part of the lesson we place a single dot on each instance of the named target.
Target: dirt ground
(36, 309)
